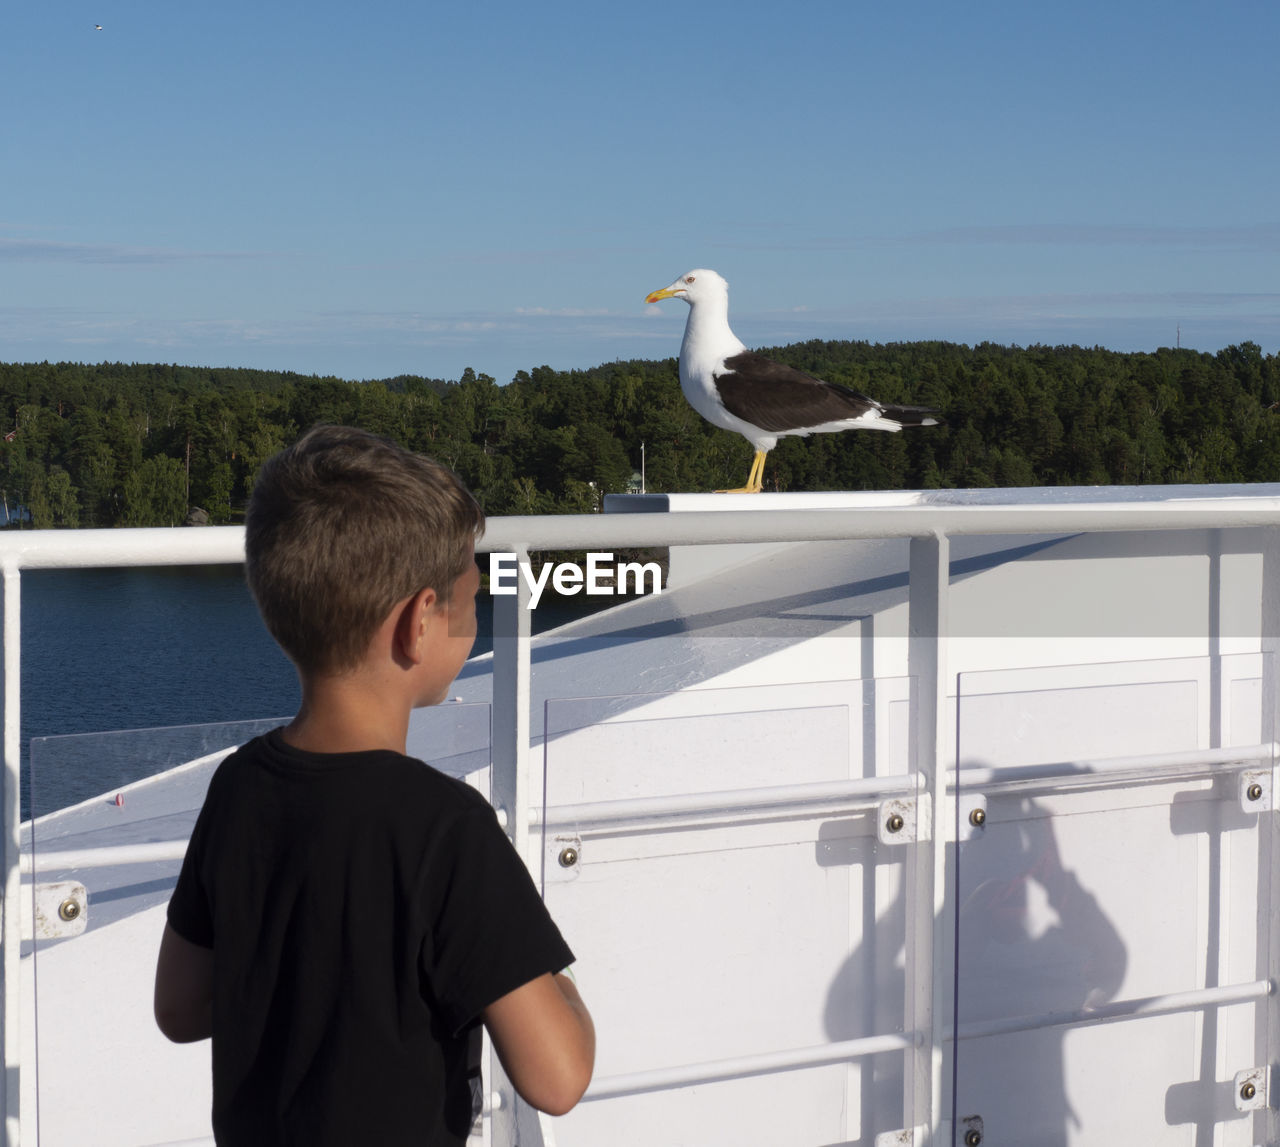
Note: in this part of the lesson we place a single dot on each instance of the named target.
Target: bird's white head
(695, 286)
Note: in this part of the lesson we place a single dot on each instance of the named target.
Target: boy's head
(341, 526)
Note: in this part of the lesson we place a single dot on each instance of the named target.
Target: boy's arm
(546, 1041)
(184, 989)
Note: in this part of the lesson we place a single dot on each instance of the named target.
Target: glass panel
(1110, 964)
(103, 1073)
(712, 857)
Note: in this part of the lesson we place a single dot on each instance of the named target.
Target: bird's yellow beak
(665, 293)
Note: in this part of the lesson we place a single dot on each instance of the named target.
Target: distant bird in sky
(98, 26)
(763, 400)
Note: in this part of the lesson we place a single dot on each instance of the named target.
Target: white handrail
(1148, 766)
(150, 852)
(70, 549)
(1134, 1009)
(685, 1075)
(776, 798)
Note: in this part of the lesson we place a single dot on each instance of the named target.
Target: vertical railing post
(510, 785)
(10, 817)
(1267, 1029)
(511, 699)
(930, 940)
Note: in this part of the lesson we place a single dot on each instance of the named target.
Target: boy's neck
(342, 715)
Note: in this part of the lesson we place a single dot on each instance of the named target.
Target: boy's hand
(546, 1041)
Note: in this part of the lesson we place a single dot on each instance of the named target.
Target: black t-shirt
(363, 909)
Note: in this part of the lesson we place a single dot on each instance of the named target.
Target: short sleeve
(488, 930)
(190, 913)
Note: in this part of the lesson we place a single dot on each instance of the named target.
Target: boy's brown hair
(341, 526)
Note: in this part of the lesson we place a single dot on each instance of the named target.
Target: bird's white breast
(708, 341)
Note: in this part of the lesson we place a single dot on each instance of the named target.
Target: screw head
(895, 823)
(1248, 1091)
(978, 817)
(568, 857)
(1254, 792)
(972, 1138)
(69, 909)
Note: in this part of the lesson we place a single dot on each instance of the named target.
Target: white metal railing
(213, 545)
(929, 528)
(840, 1051)
(685, 1075)
(148, 852)
(790, 800)
(772, 799)
(1143, 1008)
(1184, 765)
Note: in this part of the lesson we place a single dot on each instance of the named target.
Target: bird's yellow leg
(755, 479)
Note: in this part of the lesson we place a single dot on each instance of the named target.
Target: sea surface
(144, 648)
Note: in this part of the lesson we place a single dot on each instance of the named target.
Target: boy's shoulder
(269, 761)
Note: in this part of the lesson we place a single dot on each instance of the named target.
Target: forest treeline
(143, 445)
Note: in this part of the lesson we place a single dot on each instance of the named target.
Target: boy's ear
(416, 617)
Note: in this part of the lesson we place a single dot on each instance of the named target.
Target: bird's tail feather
(912, 415)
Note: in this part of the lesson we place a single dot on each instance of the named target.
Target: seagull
(98, 26)
(738, 389)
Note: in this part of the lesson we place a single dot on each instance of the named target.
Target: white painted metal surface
(926, 907)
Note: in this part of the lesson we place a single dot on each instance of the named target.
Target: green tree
(264, 440)
(38, 504)
(219, 489)
(63, 507)
(156, 493)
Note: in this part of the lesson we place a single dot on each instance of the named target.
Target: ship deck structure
(937, 817)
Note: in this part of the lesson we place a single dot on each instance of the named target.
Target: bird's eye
(689, 279)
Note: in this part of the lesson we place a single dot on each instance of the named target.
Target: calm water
(137, 648)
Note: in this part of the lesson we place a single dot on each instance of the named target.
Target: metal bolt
(1254, 792)
(69, 909)
(972, 1138)
(1248, 1091)
(568, 857)
(978, 817)
(895, 823)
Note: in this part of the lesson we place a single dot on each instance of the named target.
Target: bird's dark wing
(775, 397)
(912, 415)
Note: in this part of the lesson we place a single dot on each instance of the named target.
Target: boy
(346, 916)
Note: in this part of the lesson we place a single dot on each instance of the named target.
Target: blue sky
(383, 188)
